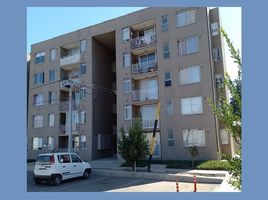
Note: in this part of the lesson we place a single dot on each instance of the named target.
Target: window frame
(193, 133)
(185, 75)
(169, 110)
(126, 55)
(39, 78)
(214, 30)
(39, 57)
(168, 81)
(191, 105)
(126, 108)
(186, 14)
(170, 139)
(38, 123)
(40, 141)
(164, 26)
(125, 83)
(52, 54)
(183, 45)
(51, 120)
(124, 33)
(52, 75)
(83, 46)
(166, 52)
(83, 68)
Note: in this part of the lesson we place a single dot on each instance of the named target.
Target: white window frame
(38, 121)
(186, 47)
(50, 142)
(185, 18)
(126, 59)
(166, 53)
(83, 117)
(51, 97)
(219, 80)
(83, 46)
(169, 107)
(52, 54)
(216, 52)
(170, 139)
(37, 143)
(127, 85)
(127, 112)
(224, 135)
(168, 78)
(52, 75)
(39, 78)
(186, 76)
(125, 34)
(214, 26)
(83, 66)
(40, 54)
(194, 137)
(83, 93)
(38, 99)
(188, 105)
(83, 140)
(164, 26)
(51, 119)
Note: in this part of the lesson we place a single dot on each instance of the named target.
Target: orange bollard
(195, 189)
(177, 185)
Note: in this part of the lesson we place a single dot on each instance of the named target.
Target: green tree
(133, 146)
(229, 113)
(194, 153)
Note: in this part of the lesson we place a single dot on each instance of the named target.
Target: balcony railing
(64, 128)
(64, 105)
(142, 41)
(68, 60)
(143, 95)
(148, 123)
(140, 68)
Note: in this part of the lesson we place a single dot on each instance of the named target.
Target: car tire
(57, 180)
(86, 173)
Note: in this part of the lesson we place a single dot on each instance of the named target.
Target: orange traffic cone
(177, 185)
(195, 183)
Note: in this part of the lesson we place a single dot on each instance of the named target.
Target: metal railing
(64, 105)
(64, 128)
(142, 95)
(142, 41)
(148, 123)
(140, 68)
(67, 60)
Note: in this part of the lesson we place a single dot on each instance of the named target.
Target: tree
(194, 152)
(133, 147)
(229, 113)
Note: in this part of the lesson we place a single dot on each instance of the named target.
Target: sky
(47, 22)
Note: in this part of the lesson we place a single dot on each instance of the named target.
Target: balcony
(145, 95)
(149, 69)
(142, 41)
(70, 62)
(64, 128)
(64, 105)
(148, 123)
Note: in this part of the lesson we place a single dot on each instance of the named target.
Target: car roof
(59, 153)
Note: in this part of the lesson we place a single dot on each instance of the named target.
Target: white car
(56, 167)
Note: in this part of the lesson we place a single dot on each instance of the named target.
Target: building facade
(121, 69)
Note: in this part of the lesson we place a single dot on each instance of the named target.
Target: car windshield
(43, 160)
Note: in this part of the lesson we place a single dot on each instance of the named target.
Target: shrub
(214, 165)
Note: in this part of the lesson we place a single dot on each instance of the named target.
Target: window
(52, 75)
(148, 116)
(191, 105)
(75, 159)
(82, 117)
(194, 137)
(37, 143)
(185, 18)
(189, 75)
(83, 68)
(219, 80)
(76, 142)
(83, 93)
(224, 136)
(64, 158)
(50, 143)
(127, 112)
(39, 78)
(51, 97)
(188, 45)
(170, 138)
(164, 23)
(127, 85)
(83, 46)
(40, 57)
(83, 141)
(125, 34)
(216, 52)
(167, 79)
(166, 53)
(51, 120)
(126, 59)
(39, 99)
(169, 107)
(214, 28)
(52, 54)
(38, 121)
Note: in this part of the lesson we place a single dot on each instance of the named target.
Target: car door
(65, 166)
(77, 166)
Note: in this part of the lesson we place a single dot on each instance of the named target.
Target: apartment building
(121, 69)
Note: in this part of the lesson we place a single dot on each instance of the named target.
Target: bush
(214, 165)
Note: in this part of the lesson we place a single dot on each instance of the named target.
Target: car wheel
(38, 182)
(57, 180)
(86, 174)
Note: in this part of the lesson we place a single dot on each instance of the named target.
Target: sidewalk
(111, 167)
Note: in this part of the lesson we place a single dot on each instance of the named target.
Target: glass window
(40, 57)
(189, 75)
(83, 141)
(82, 117)
(185, 18)
(164, 23)
(39, 99)
(52, 75)
(83, 93)
(194, 137)
(126, 59)
(39, 78)
(166, 53)
(167, 79)
(170, 137)
(52, 54)
(64, 158)
(125, 34)
(216, 54)
(50, 143)
(169, 107)
(191, 105)
(224, 136)
(127, 112)
(37, 121)
(51, 97)
(83, 46)
(75, 158)
(188, 45)
(127, 85)
(83, 68)
(51, 119)
(214, 28)
(37, 143)
(219, 80)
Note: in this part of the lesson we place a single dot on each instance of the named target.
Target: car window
(43, 160)
(64, 158)
(75, 158)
